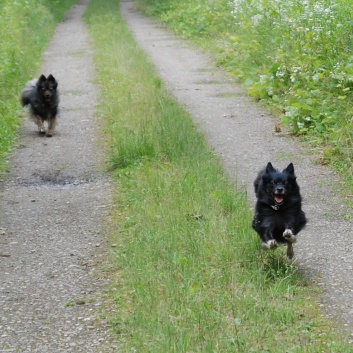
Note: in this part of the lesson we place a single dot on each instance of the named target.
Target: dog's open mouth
(279, 199)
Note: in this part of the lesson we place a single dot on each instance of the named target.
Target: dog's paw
(271, 244)
(289, 236)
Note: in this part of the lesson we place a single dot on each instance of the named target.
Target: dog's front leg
(269, 242)
(40, 123)
(289, 236)
(290, 251)
(51, 126)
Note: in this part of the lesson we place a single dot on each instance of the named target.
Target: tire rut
(55, 203)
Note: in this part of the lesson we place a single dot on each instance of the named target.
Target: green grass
(295, 56)
(25, 27)
(189, 274)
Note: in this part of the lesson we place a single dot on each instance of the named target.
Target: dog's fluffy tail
(26, 93)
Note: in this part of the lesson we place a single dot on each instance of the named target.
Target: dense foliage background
(294, 55)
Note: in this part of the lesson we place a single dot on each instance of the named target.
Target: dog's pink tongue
(278, 199)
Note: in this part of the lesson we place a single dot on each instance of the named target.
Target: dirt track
(52, 209)
(56, 199)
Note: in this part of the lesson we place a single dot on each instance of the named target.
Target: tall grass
(25, 27)
(294, 55)
(189, 274)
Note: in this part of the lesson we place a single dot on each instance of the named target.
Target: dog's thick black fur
(278, 214)
(42, 96)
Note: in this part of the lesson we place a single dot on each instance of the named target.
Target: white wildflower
(256, 19)
(280, 73)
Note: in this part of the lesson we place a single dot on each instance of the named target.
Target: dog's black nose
(279, 190)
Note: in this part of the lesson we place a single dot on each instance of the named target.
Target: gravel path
(53, 207)
(56, 200)
(243, 135)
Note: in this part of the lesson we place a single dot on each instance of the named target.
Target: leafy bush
(306, 59)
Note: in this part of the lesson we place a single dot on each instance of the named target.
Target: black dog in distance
(42, 97)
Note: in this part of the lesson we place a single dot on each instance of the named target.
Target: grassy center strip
(190, 276)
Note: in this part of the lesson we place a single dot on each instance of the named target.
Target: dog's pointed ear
(269, 168)
(290, 168)
(52, 80)
(41, 79)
